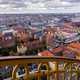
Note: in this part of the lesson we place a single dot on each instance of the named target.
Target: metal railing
(56, 68)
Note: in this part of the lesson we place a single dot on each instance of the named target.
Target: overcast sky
(39, 6)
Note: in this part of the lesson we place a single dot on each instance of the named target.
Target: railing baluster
(26, 77)
(56, 71)
(77, 72)
(70, 71)
(14, 72)
(39, 75)
(39, 72)
(64, 70)
(48, 72)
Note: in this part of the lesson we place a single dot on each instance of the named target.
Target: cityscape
(41, 35)
(39, 39)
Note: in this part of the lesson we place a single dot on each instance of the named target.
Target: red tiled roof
(45, 53)
(56, 50)
(75, 45)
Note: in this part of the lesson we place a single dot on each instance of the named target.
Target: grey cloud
(14, 3)
(71, 0)
(21, 3)
(11, 1)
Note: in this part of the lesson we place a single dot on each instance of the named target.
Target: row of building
(19, 38)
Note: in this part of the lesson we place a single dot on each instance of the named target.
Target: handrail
(13, 58)
(52, 65)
